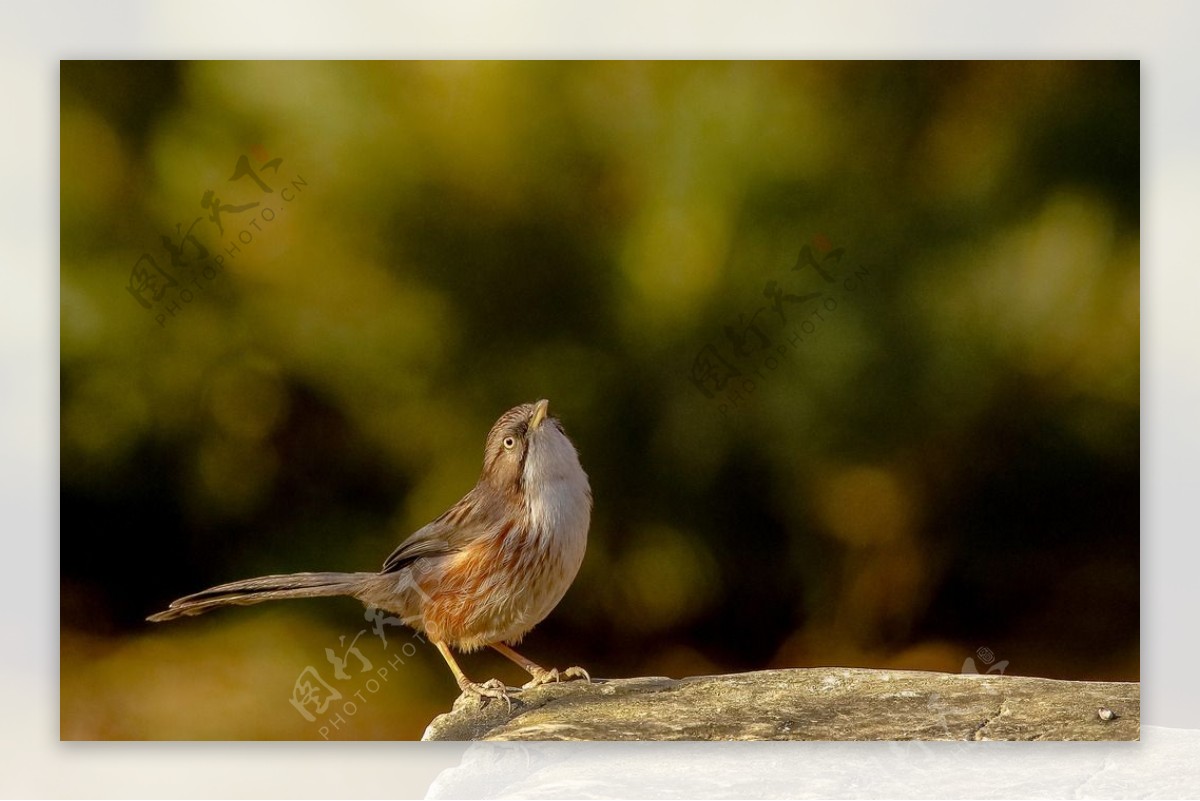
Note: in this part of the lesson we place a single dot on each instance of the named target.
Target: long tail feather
(264, 588)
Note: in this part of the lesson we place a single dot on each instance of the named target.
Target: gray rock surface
(805, 704)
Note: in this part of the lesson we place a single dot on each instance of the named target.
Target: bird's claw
(555, 675)
(492, 688)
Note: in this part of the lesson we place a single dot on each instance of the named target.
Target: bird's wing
(449, 534)
(423, 543)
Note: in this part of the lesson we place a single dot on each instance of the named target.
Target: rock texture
(805, 704)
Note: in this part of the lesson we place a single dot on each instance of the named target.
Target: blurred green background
(936, 455)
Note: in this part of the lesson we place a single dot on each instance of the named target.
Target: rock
(804, 704)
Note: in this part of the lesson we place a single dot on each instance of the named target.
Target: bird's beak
(540, 409)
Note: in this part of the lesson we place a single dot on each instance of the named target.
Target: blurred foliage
(947, 460)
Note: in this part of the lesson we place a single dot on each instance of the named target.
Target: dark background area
(936, 456)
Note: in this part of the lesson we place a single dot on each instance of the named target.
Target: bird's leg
(539, 673)
(492, 688)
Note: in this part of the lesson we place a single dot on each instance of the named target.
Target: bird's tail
(264, 588)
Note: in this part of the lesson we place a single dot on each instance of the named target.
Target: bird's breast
(503, 584)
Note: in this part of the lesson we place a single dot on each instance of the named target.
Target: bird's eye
(509, 442)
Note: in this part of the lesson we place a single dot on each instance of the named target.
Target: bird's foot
(492, 688)
(542, 676)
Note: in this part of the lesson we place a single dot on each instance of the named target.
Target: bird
(483, 573)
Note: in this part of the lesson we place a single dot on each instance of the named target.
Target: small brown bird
(487, 571)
